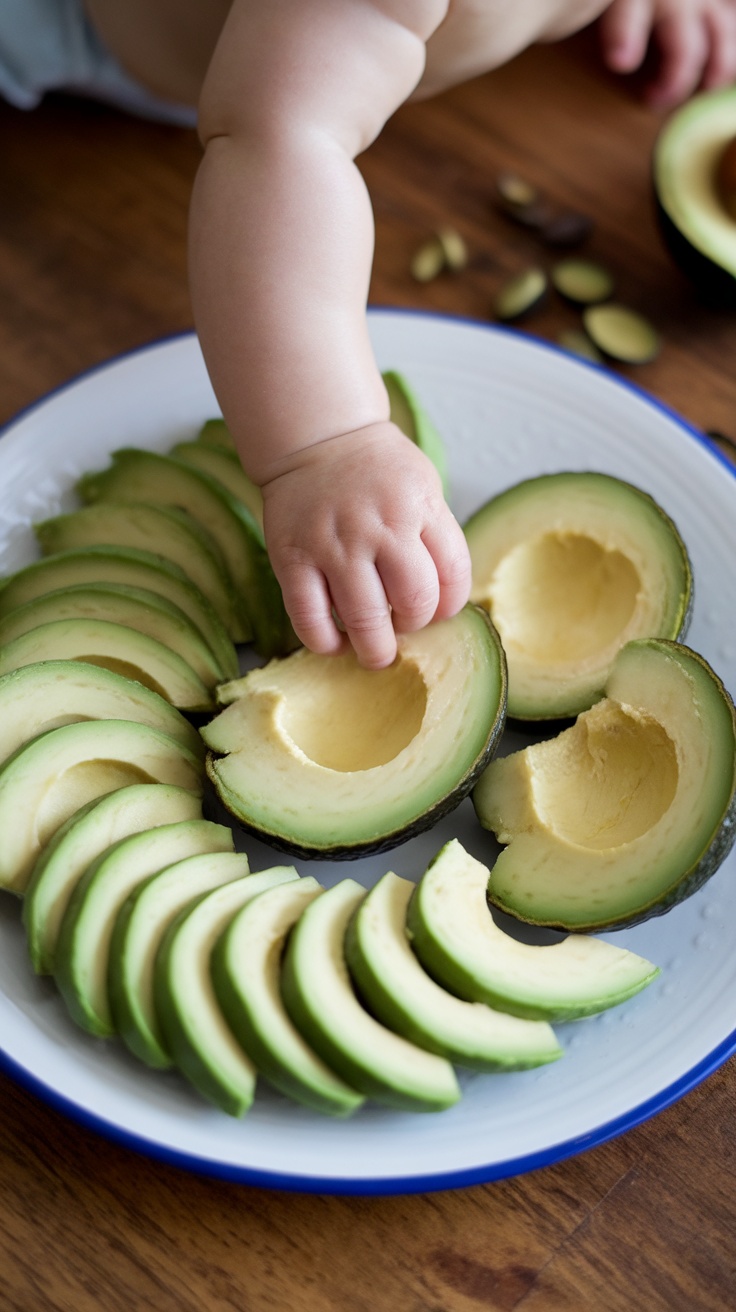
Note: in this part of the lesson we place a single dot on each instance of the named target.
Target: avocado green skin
(715, 285)
(152, 1053)
(424, 434)
(417, 825)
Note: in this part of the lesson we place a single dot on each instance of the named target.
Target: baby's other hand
(359, 523)
(694, 43)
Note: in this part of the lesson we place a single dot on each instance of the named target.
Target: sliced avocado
(409, 415)
(136, 608)
(401, 994)
(629, 811)
(133, 568)
(246, 973)
(124, 651)
(146, 476)
(139, 928)
(458, 942)
(320, 999)
(223, 465)
(79, 841)
(47, 780)
(46, 695)
(163, 530)
(694, 220)
(571, 567)
(215, 432)
(201, 1043)
(320, 756)
(83, 948)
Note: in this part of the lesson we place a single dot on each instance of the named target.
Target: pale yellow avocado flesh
(571, 567)
(613, 819)
(685, 161)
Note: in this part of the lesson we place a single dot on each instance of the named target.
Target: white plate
(508, 407)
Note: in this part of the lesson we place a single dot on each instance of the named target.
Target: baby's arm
(281, 249)
(695, 42)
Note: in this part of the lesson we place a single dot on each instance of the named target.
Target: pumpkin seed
(516, 191)
(453, 248)
(582, 281)
(520, 294)
(622, 333)
(577, 342)
(428, 261)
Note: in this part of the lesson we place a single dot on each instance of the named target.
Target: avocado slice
(137, 933)
(697, 228)
(124, 651)
(83, 948)
(224, 466)
(408, 413)
(401, 994)
(215, 432)
(129, 566)
(572, 566)
(319, 756)
(79, 841)
(246, 973)
(163, 530)
(321, 1001)
(46, 695)
(201, 1043)
(48, 779)
(146, 476)
(627, 812)
(136, 608)
(458, 942)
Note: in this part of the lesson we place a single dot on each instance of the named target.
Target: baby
(289, 93)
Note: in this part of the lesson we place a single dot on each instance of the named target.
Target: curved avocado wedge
(224, 466)
(246, 972)
(137, 608)
(133, 568)
(163, 530)
(124, 651)
(407, 412)
(48, 694)
(319, 756)
(319, 997)
(405, 998)
(79, 841)
(572, 566)
(139, 929)
(629, 811)
(202, 1045)
(458, 942)
(215, 432)
(47, 780)
(83, 948)
(146, 476)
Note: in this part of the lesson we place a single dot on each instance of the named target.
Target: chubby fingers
(720, 68)
(624, 33)
(682, 40)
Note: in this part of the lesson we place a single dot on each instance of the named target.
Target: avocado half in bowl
(321, 758)
(694, 179)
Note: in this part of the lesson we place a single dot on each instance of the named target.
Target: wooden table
(92, 262)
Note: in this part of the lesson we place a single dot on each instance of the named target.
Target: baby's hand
(359, 523)
(695, 42)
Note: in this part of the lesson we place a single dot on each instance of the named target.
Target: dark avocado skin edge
(716, 287)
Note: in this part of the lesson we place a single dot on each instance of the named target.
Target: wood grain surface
(93, 262)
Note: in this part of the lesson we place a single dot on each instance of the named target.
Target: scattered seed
(454, 250)
(724, 438)
(577, 342)
(622, 333)
(582, 281)
(520, 294)
(515, 190)
(428, 261)
(567, 228)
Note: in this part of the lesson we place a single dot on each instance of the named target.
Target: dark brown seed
(567, 228)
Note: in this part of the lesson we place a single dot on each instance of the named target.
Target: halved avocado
(319, 997)
(115, 647)
(136, 608)
(698, 229)
(572, 566)
(34, 698)
(629, 811)
(401, 994)
(82, 952)
(458, 942)
(132, 567)
(409, 415)
(79, 841)
(321, 757)
(246, 972)
(163, 530)
(50, 778)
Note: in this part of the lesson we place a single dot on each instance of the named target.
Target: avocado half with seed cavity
(692, 210)
(572, 566)
(626, 813)
(320, 757)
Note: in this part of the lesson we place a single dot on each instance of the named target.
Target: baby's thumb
(624, 34)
